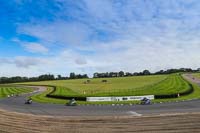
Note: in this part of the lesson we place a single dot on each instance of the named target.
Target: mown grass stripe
(5, 91)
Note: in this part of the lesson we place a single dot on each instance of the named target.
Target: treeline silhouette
(145, 72)
(72, 75)
(44, 77)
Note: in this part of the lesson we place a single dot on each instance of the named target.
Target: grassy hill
(9, 90)
(137, 85)
(113, 86)
(126, 86)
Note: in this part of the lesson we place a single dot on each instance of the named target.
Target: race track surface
(16, 104)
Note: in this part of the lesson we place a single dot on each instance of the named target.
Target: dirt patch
(23, 123)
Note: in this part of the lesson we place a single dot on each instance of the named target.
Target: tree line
(145, 72)
(44, 77)
(72, 75)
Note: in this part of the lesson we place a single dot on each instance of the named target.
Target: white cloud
(5, 61)
(60, 32)
(35, 48)
(32, 47)
(141, 35)
(81, 61)
(135, 57)
(26, 62)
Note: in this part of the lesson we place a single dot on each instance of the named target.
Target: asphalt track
(16, 104)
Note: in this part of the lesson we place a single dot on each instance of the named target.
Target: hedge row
(66, 97)
(50, 95)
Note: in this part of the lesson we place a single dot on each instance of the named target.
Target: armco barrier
(119, 98)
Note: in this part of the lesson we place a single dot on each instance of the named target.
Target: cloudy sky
(87, 36)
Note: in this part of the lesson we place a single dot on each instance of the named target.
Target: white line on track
(134, 113)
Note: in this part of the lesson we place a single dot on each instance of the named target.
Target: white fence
(124, 98)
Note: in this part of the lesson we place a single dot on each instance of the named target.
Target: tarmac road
(16, 104)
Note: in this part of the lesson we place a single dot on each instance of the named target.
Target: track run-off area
(181, 116)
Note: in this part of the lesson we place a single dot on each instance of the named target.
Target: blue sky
(87, 36)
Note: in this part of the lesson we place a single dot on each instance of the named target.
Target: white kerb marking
(134, 113)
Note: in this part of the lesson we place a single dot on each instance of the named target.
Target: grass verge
(6, 90)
